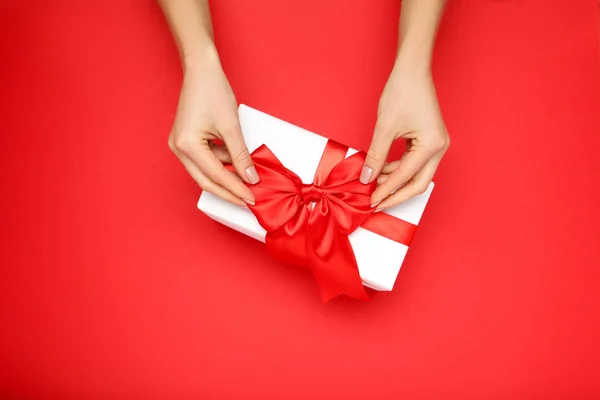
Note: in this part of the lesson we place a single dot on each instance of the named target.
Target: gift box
(378, 255)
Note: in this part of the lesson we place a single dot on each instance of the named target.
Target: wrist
(412, 62)
(199, 58)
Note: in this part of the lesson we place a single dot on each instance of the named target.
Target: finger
(206, 184)
(240, 156)
(206, 161)
(409, 165)
(221, 153)
(390, 167)
(382, 178)
(416, 186)
(377, 154)
(387, 169)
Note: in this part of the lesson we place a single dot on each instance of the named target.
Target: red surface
(113, 285)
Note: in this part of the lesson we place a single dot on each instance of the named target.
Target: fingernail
(375, 204)
(378, 209)
(366, 174)
(248, 201)
(252, 175)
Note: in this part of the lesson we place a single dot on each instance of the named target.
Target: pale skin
(408, 109)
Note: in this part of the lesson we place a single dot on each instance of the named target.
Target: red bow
(318, 237)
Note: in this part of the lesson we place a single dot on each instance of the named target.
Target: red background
(113, 285)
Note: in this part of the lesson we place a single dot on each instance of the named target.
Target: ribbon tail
(332, 260)
(288, 243)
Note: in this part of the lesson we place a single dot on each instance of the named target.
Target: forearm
(419, 20)
(191, 26)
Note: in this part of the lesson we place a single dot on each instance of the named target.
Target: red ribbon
(317, 237)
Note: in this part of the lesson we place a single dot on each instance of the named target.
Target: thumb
(240, 156)
(377, 154)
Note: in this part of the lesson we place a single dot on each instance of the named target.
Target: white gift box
(379, 259)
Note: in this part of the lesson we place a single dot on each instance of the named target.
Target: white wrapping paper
(379, 259)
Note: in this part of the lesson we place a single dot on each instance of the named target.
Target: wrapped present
(311, 210)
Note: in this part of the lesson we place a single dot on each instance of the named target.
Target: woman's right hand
(207, 111)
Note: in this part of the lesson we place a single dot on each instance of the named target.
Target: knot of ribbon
(311, 193)
(309, 224)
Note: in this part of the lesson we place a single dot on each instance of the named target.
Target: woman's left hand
(409, 109)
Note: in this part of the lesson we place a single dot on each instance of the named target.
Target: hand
(408, 109)
(207, 111)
